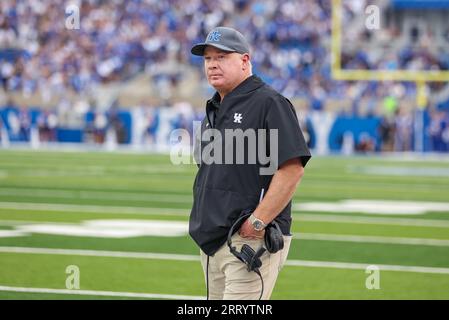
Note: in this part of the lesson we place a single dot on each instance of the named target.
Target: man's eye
(206, 58)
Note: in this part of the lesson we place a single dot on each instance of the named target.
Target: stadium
(93, 207)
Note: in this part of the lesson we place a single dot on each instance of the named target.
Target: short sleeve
(281, 115)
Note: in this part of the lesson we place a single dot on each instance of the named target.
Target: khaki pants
(230, 280)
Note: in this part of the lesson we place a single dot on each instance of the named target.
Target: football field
(101, 225)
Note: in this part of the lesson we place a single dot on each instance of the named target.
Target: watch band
(257, 223)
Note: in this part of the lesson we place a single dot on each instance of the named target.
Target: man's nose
(212, 64)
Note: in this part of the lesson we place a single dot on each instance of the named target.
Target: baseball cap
(223, 38)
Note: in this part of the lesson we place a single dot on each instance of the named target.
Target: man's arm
(282, 188)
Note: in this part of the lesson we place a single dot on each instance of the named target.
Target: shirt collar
(251, 83)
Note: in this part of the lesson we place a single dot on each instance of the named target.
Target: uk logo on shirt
(238, 118)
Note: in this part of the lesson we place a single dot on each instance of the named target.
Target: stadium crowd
(119, 39)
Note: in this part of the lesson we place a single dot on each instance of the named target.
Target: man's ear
(245, 59)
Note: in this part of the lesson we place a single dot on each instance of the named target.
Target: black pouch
(274, 240)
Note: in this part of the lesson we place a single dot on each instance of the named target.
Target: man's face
(224, 70)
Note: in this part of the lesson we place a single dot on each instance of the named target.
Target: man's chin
(217, 84)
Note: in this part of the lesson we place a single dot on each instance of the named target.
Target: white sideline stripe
(382, 267)
(92, 208)
(411, 157)
(22, 222)
(65, 194)
(418, 222)
(185, 212)
(98, 168)
(371, 239)
(102, 293)
(298, 235)
(185, 257)
(11, 233)
(101, 253)
(387, 207)
(404, 171)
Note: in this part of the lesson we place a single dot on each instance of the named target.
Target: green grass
(105, 274)
(137, 275)
(151, 183)
(369, 253)
(52, 296)
(322, 283)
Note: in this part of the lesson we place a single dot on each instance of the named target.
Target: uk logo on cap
(214, 36)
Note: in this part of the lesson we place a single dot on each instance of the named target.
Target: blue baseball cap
(223, 38)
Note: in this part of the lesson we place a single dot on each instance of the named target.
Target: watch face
(257, 225)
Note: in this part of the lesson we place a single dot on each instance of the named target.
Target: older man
(227, 193)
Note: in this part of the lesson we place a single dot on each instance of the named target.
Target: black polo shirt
(222, 191)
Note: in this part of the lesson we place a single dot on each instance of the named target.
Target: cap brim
(199, 48)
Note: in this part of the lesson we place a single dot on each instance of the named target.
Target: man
(222, 191)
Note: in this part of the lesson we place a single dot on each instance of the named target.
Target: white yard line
(372, 239)
(23, 222)
(298, 235)
(403, 171)
(412, 157)
(11, 233)
(100, 253)
(101, 293)
(124, 196)
(183, 257)
(382, 267)
(418, 222)
(384, 207)
(185, 212)
(92, 208)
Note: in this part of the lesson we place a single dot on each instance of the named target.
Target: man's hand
(247, 231)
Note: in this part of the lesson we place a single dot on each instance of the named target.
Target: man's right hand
(247, 231)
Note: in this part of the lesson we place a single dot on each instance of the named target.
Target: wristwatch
(258, 224)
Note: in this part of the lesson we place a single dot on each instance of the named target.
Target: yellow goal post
(419, 77)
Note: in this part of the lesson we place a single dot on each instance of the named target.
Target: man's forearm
(282, 187)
